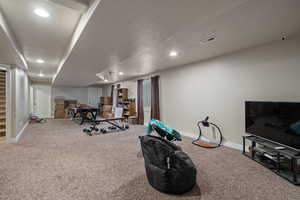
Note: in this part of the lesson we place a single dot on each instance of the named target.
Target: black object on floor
(284, 161)
(168, 168)
(208, 144)
(88, 131)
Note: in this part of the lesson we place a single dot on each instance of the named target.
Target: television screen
(275, 121)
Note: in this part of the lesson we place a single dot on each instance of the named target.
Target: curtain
(155, 112)
(112, 92)
(140, 106)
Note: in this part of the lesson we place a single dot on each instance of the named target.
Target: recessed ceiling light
(41, 12)
(40, 61)
(41, 75)
(105, 80)
(121, 73)
(173, 53)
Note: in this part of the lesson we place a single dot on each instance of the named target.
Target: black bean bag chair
(168, 168)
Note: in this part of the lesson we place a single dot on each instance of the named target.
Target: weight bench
(112, 121)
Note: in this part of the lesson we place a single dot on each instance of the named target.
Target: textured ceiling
(45, 38)
(135, 36)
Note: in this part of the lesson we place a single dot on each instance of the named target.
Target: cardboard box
(105, 100)
(107, 115)
(107, 108)
(60, 107)
(132, 120)
(59, 100)
(59, 114)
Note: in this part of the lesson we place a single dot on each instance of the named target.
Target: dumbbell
(102, 130)
(88, 131)
(126, 126)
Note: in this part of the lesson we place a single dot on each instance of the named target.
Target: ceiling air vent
(207, 37)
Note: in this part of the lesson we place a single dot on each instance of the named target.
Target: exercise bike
(205, 142)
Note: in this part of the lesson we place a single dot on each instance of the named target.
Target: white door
(42, 101)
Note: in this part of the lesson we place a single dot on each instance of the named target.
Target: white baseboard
(17, 138)
(21, 132)
(11, 140)
(190, 135)
(233, 145)
(224, 143)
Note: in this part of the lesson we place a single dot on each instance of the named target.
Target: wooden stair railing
(2, 104)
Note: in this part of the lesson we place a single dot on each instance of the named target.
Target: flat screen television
(275, 121)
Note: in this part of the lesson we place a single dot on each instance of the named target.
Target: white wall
(130, 85)
(77, 93)
(21, 111)
(94, 94)
(106, 90)
(132, 88)
(219, 87)
(84, 95)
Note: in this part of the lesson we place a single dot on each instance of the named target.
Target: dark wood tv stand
(284, 162)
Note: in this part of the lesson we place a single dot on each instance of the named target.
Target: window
(147, 99)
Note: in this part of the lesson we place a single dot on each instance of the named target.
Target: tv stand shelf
(283, 161)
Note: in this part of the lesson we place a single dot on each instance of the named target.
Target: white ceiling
(7, 53)
(45, 38)
(135, 36)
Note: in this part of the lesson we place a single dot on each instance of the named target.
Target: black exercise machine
(204, 143)
(85, 113)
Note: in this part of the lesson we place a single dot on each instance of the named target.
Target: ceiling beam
(77, 33)
(79, 5)
(12, 39)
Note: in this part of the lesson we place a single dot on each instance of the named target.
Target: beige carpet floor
(56, 161)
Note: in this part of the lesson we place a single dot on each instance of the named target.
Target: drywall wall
(219, 87)
(106, 90)
(84, 95)
(131, 86)
(22, 91)
(77, 93)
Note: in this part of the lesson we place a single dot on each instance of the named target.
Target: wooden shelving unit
(128, 106)
(122, 94)
(2, 104)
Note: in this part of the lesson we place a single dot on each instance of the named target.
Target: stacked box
(59, 112)
(106, 111)
(105, 100)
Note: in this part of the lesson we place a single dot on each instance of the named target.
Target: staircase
(2, 104)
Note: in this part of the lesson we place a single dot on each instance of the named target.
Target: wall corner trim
(18, 137)
(225, 143)
(21, 132)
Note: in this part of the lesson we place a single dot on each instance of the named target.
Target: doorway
(42, 101)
